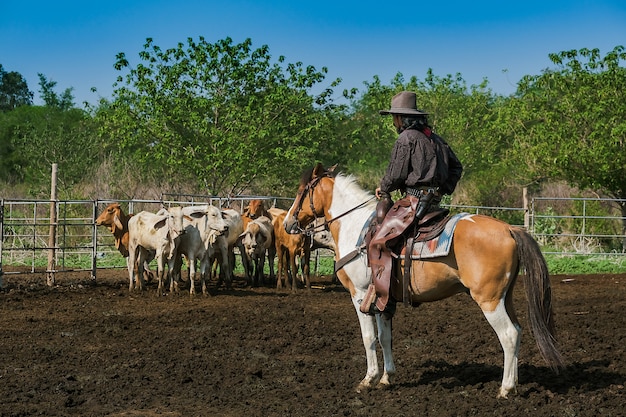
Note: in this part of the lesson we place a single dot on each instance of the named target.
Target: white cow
(148, 231)
(204, 226)
(256, 239)
(322, 238)
(224, 246)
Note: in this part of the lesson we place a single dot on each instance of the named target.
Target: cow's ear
(197, 214)
(161, 223)
(117, 222)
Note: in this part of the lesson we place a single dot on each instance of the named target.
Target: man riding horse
(424, 168)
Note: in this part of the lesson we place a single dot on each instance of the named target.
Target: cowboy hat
(403, 103)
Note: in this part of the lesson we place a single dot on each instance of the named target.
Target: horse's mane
(349, 185)
(306, 177)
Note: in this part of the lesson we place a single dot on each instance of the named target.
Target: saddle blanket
(439, 246)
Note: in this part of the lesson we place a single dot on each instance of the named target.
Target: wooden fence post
(525, 206)
(52, 237)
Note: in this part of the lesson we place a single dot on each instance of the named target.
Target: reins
(351, 210)
(312, 230)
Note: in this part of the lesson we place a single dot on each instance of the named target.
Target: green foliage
(573, 120)
(11, 160)
(583, 225)
(14, 91)
(585, 265)
(222, 115)
(225, 118)
(65, 101)
(36, 137)
(546, 226)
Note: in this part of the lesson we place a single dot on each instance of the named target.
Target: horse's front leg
(384, 337)
(368, 334)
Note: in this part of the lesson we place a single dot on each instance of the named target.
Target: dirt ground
(89, 348)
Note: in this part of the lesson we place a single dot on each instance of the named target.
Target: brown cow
(256, 208)
(288, 247)
(114, 218)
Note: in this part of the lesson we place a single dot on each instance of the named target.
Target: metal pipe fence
(579, 226)
(566, 226)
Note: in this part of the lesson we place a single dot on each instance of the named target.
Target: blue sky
(74, 43)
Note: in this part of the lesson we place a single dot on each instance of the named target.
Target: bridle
(309, 188)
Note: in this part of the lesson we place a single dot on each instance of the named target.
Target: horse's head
(313, 198)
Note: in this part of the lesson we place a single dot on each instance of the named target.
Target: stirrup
(369, 300)
(373, 310)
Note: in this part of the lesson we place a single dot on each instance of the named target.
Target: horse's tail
(539, 296)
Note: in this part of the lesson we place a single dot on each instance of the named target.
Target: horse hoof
(504, 393)
(363, 387)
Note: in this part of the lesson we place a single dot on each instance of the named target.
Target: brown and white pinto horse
(484, 261)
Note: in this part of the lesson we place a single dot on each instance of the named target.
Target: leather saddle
(428, 228)
(431, 225)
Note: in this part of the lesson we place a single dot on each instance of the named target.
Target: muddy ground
(88, 348)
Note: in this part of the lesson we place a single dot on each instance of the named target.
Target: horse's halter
(309, 188)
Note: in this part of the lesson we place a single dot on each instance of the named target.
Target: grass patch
(586, 264)
(557, 264)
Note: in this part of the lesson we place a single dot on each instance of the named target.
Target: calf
(288, 248)
(148, 231)
(255, 209)
(256, 239)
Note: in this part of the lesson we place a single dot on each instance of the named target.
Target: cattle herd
(207, 239)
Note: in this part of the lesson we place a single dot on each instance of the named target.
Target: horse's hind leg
(509, 332)
(384, 338)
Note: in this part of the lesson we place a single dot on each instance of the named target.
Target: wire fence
(565, 226)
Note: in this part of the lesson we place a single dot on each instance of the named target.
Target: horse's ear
(332, 169)
(318, 171)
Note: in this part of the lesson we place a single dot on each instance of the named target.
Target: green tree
(12, 160)
(222, 115)
(13, 90)
(65, 101)
(574, 125)
(41, 136)
(371, 136)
